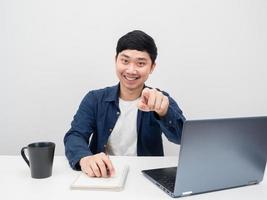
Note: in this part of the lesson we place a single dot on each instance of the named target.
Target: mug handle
(24, 156)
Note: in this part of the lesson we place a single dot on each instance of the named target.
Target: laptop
(216, 154)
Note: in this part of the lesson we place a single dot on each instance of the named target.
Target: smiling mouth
(130, 78)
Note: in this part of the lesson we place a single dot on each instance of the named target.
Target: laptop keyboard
(164, 176)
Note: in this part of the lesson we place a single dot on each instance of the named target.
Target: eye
(124, 61)
(141, 64)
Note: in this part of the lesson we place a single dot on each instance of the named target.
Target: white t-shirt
(123, 139)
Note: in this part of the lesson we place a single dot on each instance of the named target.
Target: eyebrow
(126, 56)
(142, 59)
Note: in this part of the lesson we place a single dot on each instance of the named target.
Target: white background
(212, 59)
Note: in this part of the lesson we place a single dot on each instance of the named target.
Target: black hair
(140, 41)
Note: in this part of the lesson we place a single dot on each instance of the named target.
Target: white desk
(16, 183)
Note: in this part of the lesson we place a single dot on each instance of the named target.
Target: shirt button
(118, 113)
(110, 130)
(170, 122)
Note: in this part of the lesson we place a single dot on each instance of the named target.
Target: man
(125, 119)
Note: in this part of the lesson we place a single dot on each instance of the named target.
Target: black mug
(41, 156)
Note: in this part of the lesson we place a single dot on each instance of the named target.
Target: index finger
(109, 165)
(145, 94)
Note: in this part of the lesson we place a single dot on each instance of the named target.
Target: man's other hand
(98, 165)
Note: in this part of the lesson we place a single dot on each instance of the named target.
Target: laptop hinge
(252, 182)
(187, 193)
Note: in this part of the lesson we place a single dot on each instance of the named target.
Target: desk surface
(16, 183)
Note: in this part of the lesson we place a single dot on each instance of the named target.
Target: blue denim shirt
(97, 116)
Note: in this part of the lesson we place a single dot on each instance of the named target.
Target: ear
(152, 67)
(116, 56)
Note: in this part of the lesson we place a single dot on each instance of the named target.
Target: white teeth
(130, 78)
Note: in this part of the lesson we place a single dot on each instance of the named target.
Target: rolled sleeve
(76, 140)
(172, 123)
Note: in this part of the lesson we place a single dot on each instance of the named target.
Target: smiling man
(126, 119)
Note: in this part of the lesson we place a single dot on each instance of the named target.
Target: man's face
(133, 68)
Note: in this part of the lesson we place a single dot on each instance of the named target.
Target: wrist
(82, 160)
(162, 113)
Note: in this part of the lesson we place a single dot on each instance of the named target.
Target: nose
(131, 69)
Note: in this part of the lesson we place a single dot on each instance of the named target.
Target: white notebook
(115, 182)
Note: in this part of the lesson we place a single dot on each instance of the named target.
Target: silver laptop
(216, 154)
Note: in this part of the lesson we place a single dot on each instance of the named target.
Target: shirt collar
(113, 93)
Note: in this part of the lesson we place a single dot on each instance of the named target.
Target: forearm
(76, 139)
(172, 123)
(76, 147)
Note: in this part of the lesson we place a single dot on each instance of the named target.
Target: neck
(130, 95)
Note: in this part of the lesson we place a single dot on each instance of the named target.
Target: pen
(106, 152)
(106, 149)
